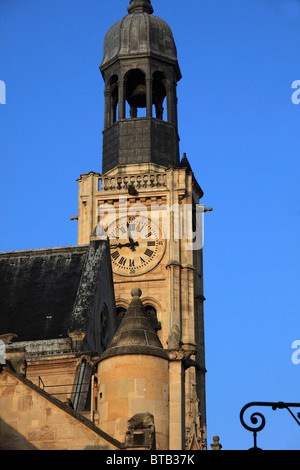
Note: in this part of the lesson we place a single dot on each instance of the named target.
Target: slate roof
(39, 289)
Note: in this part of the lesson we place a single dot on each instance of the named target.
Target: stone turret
(133, 373)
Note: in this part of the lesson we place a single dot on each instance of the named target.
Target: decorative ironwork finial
(140, 6)
(258, 420)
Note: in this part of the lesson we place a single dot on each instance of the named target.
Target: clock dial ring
(135, 246)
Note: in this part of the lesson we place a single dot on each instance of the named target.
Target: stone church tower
(156, 270)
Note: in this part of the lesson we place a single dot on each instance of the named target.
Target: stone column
(87, 206)
(170, 103)
(149, 97)
(176, 406)
(107, 109)
(121, 99)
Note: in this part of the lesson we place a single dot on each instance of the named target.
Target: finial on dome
(136, 292)
(140, 6)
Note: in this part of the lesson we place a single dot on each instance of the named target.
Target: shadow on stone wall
(10, 439)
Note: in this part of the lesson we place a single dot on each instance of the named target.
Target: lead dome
(138, 33)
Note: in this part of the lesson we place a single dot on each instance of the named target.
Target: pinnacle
(140, 6)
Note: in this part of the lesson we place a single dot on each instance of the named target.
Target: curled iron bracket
(258, 419)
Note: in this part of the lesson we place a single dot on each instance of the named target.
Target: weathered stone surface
(42, 422)
(143, 140)
(141, 421)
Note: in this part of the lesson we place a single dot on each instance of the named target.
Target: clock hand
(132, 243)
(128, 245)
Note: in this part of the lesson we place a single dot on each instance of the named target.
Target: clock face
(135, 246)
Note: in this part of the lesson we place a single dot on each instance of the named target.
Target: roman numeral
(122, 261)
(142, 260)
(151, 243)
(131, 263)
(115, 255)
(149, 253)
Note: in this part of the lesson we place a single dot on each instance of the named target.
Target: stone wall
(111, 138)
(32, 420)
(140, 140)
(130, 385)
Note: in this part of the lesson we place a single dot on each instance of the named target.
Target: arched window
(151, 311)
(120, 314)
(81, 392)
(135, 91)
(114, 95)
(158, 94)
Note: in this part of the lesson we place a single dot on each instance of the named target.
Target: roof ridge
(39, 251)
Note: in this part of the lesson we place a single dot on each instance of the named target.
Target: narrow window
(135, 93)
(158, 94)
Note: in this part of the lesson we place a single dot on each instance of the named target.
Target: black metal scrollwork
(258, 420)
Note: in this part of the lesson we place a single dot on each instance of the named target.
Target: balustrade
(122, 183)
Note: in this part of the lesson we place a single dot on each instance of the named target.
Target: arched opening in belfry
(135, 93)
(121, 312)
(158, 94)
(152, 313)
(114, 94)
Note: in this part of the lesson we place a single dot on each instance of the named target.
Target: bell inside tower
(136, 94)
(135, 91)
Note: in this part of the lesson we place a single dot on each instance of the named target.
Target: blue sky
(240, 130)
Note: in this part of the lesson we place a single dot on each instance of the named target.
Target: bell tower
(143, 178)
(140, 72)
